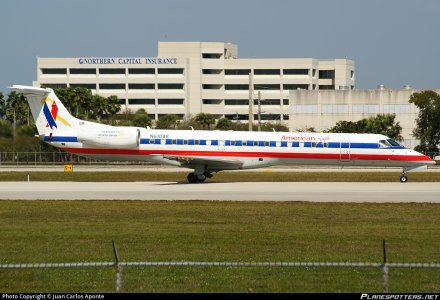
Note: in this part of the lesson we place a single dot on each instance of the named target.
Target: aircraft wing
(213, 164)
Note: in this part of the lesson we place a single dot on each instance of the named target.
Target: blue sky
(393, 42)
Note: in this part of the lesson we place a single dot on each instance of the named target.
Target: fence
(119, 265)
(52, 158)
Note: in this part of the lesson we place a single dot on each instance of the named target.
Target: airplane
(208, 152)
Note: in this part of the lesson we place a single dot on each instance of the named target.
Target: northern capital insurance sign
(127, 61)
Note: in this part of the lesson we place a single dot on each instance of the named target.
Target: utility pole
(259, 110)
(251, 100)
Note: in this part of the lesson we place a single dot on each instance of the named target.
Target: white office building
(187, 78)
(323, 109)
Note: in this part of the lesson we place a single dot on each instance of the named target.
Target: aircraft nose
(428, 160)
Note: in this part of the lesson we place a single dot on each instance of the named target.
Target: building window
(296, 71)
(121, 101)
(54, 71)
(112, 86)
(141, 101)
(53, 85)
(305, 109)
(269, 117)
(285, 101)
(83, 71)
(170, 86)
(90, 86)
(178, 71)
(139, 71)
(271, 87)
(212, 71)
(286, 117)
(109, 71)
(212, 86)
(396, 109)
(295, 86)
(237, 117)
(212, 55)
(178, 116)
(236, 102)
(236, 87)
(237, 71)
(327, 74)
(141, 86)
(326, 87)
(365, 109)
(268, 102)
(170, 101)
(267, 72)
(212, 101)
(334, 108)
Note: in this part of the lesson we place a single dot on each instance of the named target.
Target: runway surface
(241, 191)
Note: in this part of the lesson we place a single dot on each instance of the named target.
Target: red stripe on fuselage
(351, 156)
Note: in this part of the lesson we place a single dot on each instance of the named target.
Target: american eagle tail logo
(52, 114)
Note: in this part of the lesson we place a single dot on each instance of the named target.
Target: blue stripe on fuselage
(71, 139)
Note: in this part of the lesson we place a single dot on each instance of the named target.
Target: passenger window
(174, 142)
(197, 142)
(325, 145)
(151, 141)
(185, 142)
(255, 143)
(266, 144)
(232, 143)
(244, 143)
(313, 144)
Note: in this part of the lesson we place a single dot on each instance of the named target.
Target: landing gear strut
(403, 178)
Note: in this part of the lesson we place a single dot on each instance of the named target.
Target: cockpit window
(393, 142)
(384, 143)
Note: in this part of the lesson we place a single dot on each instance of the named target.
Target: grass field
(241, 176)
(77, 231)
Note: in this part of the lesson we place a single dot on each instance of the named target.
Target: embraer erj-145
(207, 152)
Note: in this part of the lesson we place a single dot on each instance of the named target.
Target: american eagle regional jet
(207, 152)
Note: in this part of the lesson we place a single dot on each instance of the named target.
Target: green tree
(5, 129)
(224, 124)
(167, 122)
(271, 126)
(306, 129)
(82, 104)
(205, 120)
(17, 109)
(141, 119)
(2, 106)
(380, 124)
(428, 121)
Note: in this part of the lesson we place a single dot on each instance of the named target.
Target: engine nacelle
(111, 137)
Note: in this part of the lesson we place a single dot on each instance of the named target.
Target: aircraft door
(221, 145)
(344, 151)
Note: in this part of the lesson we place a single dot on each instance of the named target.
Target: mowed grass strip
(236, 176)
(79, 231)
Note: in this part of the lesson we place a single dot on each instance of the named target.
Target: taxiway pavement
(240, 191)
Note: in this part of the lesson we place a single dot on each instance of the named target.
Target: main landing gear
(403, 178)
(199, 178)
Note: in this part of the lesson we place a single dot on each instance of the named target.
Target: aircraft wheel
(403, 178)
(192, 178)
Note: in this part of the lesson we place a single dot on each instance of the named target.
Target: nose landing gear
(403, 178)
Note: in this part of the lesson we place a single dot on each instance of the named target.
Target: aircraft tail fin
(48, 111)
